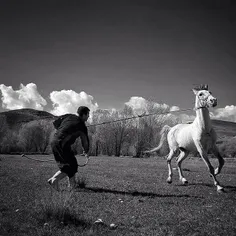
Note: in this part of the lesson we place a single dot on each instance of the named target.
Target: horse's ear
(206, 86)
(195, 91)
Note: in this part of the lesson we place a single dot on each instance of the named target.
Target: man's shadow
(135, 193)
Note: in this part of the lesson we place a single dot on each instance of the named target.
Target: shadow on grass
(137, 193)
(3, 174)
(63, 217)
(230, 188)
(226, 187)
(198, 184)
(71, 219)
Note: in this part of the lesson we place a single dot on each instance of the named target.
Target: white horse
(197, 136)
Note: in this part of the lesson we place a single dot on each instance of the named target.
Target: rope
(87, 160)
(35, 159)
(110, 122)
(138, 116)
(52, 160)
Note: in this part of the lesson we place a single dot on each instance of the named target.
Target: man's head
(83, 113)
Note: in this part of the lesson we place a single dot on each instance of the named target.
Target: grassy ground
(131, 193)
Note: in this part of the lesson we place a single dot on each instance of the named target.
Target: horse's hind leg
(169, 158)
(221, 161)
(182, 156)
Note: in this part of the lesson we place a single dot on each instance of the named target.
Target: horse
(191, 137)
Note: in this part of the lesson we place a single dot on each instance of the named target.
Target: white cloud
(161, 106)
(138, 104)
(174, 108)
(26, 97)
(68, 101)
(141, 105)
(186, 118)
(227, 113)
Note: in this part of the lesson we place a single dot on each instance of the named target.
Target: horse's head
(204, 97)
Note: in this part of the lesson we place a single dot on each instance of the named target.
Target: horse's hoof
(185, 182)
(169, 181)
(220, 189)
(216, 171)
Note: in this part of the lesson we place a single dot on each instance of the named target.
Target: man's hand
(85, 154)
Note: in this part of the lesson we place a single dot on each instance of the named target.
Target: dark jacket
(69, 128)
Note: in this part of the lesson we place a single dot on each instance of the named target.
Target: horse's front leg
(204, 156)
(221, 161)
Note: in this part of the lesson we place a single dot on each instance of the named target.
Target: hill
(224, 129)
(15, 118)
(11, 133)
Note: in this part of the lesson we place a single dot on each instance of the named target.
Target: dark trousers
(65, 158)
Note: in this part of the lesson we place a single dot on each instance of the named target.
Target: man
(69, 128)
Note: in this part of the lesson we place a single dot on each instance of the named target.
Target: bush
(228, 148)
(9, 143)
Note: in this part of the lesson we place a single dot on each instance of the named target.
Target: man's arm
(84, 140)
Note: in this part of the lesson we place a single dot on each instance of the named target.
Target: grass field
(131, 193)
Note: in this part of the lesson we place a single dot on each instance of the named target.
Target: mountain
(12, 121)
(224, 128)
(15, 118)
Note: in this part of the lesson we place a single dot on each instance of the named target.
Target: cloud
(174, 108)
(227, 113)
(26, 97)
(186, 118)
(141, 105)
(138, 104)
(68, 101)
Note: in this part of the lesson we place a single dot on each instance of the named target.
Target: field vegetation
(130, 193)
(116, 193)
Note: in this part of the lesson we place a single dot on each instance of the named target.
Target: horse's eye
(200, 94)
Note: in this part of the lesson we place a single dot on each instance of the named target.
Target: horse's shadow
(227, 188)
(199, 184)
(135, 193)
(230, 188)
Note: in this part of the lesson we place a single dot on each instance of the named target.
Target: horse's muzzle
(214, 102)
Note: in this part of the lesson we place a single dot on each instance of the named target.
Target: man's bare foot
(54, 184)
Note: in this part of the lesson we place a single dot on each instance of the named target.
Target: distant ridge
(15, 118)
(224, 128)
(223, 122)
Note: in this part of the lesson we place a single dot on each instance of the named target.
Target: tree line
(124, 138)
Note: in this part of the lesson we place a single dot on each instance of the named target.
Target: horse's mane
(201, 87)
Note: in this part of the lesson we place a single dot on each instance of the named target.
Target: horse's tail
(163, 140)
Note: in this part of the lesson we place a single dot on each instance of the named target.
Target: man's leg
(72, 182)
(54, 180)
(73, 169)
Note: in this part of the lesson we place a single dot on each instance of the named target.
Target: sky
(57, 55)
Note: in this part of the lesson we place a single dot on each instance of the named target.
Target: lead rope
(103, 123)
(52, 160)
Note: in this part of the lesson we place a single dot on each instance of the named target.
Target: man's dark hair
(83, 110)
